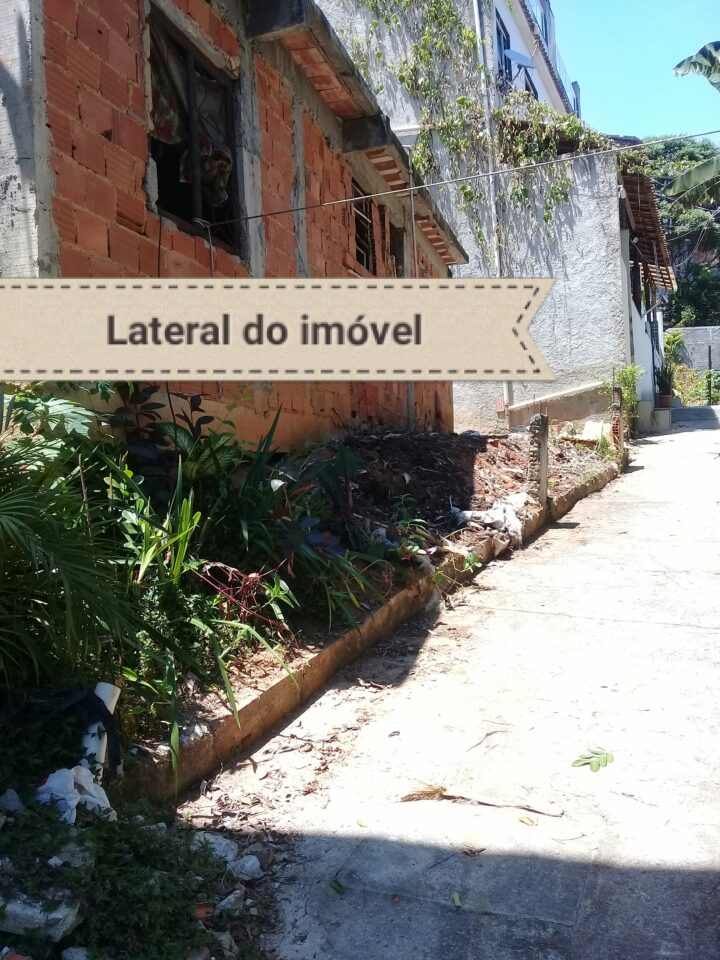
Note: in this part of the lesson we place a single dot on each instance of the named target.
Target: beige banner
(271, 329)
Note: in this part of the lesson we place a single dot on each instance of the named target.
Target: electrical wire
(468, 178)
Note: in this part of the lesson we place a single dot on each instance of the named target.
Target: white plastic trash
(94, 742)
(68, 788)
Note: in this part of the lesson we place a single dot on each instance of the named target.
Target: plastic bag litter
(502, 515)
(68, 788)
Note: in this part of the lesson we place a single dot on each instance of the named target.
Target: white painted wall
(27, 243)
(523, 40)
(581, 327)
(644, 355)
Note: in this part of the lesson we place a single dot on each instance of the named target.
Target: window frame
(363, 214)
(194, 57)
(530, 86)
(502, 40)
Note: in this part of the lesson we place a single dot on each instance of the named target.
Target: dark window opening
(530, 86)
(364, 233)
(504, 64)
(397, 251)
(192, 140)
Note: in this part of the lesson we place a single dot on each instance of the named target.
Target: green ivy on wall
(442, 72)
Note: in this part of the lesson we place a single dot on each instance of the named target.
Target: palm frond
(704, 63)
(698, 186)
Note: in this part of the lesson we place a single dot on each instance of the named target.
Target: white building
(527, 27)
(604, 246)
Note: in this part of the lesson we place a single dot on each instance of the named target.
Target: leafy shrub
(627, 378)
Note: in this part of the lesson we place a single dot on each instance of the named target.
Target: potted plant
(665, 379)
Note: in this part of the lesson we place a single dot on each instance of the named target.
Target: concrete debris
(22, 915)
(68, 788)
(502, 516)
(229, 947)
(10, 802)
(75, 953)
(232, 902)
(247, 868)
(221, 846)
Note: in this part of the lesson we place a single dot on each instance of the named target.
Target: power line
(527, 168)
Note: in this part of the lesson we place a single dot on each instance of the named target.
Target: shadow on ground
(386, 900)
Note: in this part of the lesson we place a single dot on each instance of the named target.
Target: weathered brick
(63, 12)
(62, 89)
(149, 257)
(73, 262)
(93, 32)
(114, 87)
(137, 99)
(229, 41)
(122, 56)
(124, 247)
(64, 219)
(202, 252)
(60, 126)
(100, 196)
(133, 137)
(101, 267)
(92, 232)
(69, 177)
(88, 148)
(121, 168)
(199, 10)
(131, 211)
(83, 64)
(95, 112)
(56, 40)
(183, 243)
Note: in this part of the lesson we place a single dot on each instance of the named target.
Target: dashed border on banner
(280, 285)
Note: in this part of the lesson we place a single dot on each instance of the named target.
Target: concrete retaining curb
(213, 743)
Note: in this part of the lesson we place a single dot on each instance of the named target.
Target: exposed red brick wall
(99, 138)
(97, 118)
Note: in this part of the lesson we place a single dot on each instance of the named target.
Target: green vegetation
(627, 378)
(665, 378)
(139, 549)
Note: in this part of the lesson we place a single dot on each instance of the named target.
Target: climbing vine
(441, 72)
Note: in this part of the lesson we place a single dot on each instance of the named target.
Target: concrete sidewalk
(603, 633)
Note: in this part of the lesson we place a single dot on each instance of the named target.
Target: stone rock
(221, 846)
(10, 802)
(74, 855)
(3, 818)
(246, 868)
(75, 953)
(229, 947)
(232, 902)
(156, 827)
(202, 953)
(22, 915)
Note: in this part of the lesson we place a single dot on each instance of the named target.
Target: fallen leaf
(361, 823)
(456, 899)
(528, 821)
(337, 886)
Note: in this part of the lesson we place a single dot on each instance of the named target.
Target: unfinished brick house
(183, 138)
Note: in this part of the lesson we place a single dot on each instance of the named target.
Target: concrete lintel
(369, 133)
(277, 20)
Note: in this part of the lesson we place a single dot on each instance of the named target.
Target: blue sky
(622, 53)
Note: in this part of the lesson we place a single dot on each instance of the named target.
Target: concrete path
(604, 633)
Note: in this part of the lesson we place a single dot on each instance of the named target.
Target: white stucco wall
(26, 233)
(581, 327)
(644, 355)
(523, 40)
(697, 340)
